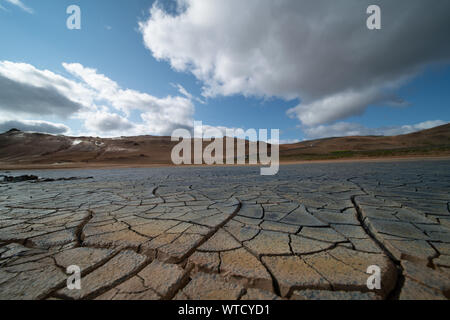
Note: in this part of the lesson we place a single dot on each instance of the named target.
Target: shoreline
(106, 166)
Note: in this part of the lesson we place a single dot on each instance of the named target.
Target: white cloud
(405, 129)
(345, 129)
(289, 141)
(97, 100)
(187, 94)
(160, 115)
(341, 106)
(21, 5)
(182, 90)
(103, 86)
(107, 122)
(320, 52)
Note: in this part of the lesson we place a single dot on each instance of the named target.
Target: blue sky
(273, 90)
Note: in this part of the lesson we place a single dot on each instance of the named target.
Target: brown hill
(435, 141)
(34, 150)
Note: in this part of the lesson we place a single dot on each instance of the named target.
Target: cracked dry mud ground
(227, 233)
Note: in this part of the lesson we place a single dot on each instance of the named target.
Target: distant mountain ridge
(34, 150)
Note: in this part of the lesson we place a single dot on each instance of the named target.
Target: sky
(311, 69)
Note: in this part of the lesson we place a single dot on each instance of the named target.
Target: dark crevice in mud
(330, 247)
(24, 178)
(184, 282)
(250, 239)
(275, 285)
(181, 287)
(242, 294)
(363, 288)
(130, 228)
(63, 179)
(102, 290)
(332, 288)
(290, 246)
(58, 265)
(287, 214)
(79, 230)
(22, 242)
(220, 262)
(222, 224)
(206, 237)
(53, 292)
(155, 189)
(118, 282)
(395, 293)
(299, 231)
(36, 179)
(436, 256)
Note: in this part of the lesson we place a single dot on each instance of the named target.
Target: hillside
(431, 142)
(33, 150)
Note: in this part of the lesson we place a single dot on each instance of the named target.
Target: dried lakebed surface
(310, 232)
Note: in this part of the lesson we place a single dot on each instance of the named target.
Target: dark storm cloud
(20, 97)
(33, 126)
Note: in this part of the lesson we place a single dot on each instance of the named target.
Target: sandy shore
(100, 165)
